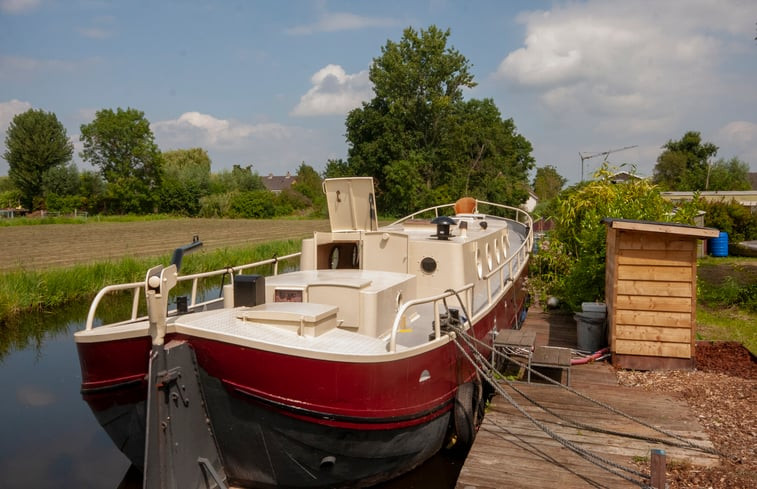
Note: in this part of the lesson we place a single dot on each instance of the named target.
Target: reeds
(24, 291)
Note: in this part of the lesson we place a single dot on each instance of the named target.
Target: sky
(269, 83)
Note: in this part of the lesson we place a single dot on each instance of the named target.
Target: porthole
(479, 265)
(497, 254)
(428, 265)
(489, 261)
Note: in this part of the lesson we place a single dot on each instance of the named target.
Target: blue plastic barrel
(719, 246)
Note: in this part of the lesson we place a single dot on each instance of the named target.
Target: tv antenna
(586, 156)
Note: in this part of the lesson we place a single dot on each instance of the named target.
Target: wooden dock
(510, 451)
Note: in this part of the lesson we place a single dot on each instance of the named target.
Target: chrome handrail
(138, 287)
(435, 299)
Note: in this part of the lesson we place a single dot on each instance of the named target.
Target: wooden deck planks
(510, 451)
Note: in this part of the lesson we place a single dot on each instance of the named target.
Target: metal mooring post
(657, 467)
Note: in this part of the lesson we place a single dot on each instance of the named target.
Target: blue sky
(269, 83)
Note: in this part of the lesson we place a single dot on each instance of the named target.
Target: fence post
(657, 468)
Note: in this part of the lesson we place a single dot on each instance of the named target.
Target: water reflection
(50, 439)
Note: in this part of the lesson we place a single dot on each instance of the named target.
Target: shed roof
(662, 227)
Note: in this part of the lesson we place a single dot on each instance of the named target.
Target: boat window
(428, 265)
(479, 265)
(489, 257)
(497, 254)
(334, 258)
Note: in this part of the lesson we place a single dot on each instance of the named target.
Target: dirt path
(53, 245)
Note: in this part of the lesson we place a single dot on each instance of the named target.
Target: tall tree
(421, 141)
(186, 179)
(35, 143)
(684, 165)
(122, 146)
(547, 182)
(729, 175)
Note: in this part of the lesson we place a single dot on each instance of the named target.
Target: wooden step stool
(551, 357)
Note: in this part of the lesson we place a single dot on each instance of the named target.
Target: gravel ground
(722, 392)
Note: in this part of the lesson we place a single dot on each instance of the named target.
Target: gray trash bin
(591, 330)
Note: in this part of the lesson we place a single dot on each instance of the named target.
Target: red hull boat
(343, 373)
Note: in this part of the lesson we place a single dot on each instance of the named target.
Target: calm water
(50, 439)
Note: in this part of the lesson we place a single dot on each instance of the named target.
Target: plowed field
(57, 245)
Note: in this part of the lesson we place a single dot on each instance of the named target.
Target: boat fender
(467, 413)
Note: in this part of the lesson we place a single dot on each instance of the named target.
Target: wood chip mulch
(722, 392)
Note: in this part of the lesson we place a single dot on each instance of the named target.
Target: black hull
(264, 448)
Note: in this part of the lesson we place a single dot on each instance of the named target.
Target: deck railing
(137, 288)
(503, 273)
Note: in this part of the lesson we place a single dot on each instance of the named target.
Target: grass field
(62, 245)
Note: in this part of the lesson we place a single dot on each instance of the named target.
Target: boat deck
(510, 451)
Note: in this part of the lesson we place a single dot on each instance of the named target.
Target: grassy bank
(45, 290)
(727, 300)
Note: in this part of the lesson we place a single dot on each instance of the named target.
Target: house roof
(277, 183)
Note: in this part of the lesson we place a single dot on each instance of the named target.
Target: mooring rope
(684, 443)
(601, 462)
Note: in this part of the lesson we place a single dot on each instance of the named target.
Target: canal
(49, 437)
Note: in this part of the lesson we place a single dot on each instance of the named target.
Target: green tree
(337, 169)
(729, 175)
(122, 146)
(577, 244)
(684, 165)
(309, 184)
(186, 179)
(548, 183)
(417, 131)
(35, 142)
(92, 191)
(61, 189)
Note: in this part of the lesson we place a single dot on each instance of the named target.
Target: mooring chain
(593, 458)
(684, 442)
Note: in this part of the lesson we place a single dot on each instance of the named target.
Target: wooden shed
(651, 290)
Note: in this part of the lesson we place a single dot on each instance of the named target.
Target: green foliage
(579, 235)
(309, 185)
(122, 146)
(338, 169)
(684, 165)
(420, 140)
(548, 183)
(729, 175)
(186, 180)
(731, 217)
(255, 204)
(44, 290)
(238, 179)
(35, 143)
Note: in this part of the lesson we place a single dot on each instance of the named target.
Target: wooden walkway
(511, 452)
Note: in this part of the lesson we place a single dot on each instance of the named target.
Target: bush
(733, 218)
(255, 204)
(573, 266)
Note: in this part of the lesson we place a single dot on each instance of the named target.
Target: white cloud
(8, 110)
(341, 21)
(611, 63)
(738, 138)
(334, 92)
(196, 129)
(18, 6)
(269, 147)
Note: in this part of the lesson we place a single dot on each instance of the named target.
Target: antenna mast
(586, 156)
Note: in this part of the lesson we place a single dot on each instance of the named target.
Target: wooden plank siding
(651, 290)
